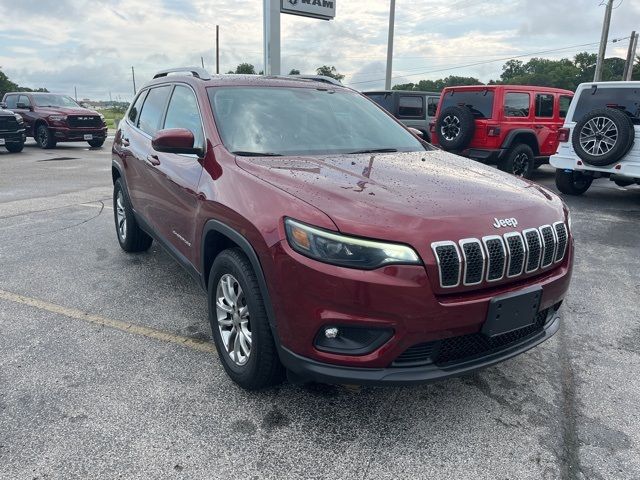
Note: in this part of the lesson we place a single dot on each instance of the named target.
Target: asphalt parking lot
(106, 370)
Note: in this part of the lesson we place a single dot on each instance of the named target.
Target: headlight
(569, 221)
(57, 118)
(346, 251)
(101, 117)
(19, 118)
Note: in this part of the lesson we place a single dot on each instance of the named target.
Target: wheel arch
(217, 237)
(522, 135)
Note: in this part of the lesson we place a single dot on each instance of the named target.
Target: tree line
(7, 85)
(564, 73)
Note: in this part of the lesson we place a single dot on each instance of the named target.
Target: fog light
(331, 332)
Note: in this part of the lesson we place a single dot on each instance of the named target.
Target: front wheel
(519, 161)
(44, 137)
(130, 236)
(572, 182)
(15, 147)
(239, 323)
(96, 143)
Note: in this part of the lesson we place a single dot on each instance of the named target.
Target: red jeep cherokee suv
(51, 118)
(515, 126)
(334, 244)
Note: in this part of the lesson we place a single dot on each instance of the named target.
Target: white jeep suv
(597, 140)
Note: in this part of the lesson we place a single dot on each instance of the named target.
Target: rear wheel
(455, 127)
(519, 161)
(130, 236)
(15, 147)
(239, 323)
(44, 137)
(96, 143)
(572, 182)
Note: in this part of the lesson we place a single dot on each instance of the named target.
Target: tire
(44, 139)
(572, 183)
(260, 367)
(131, 237)
(519, 161)
(96, 143)
(455, 127)
(603, 136)
(15, 147)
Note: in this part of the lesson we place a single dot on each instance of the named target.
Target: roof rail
(197, 72)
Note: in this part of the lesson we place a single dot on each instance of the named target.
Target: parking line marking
(164, 336)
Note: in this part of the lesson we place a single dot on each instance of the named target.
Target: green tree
(6, 85)
(245, 69)
(438, 85)
(294, 72)
(328, 71)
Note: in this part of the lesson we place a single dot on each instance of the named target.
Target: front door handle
(153, 160)
(125, 142)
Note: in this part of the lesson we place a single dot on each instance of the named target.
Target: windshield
(55, 101)
(304, 121)
(625, 99)
(480, 102)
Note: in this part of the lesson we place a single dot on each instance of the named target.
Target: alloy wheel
(450, 127)
(598, 136)
(121, 216)
(520, 164)
(233, 319)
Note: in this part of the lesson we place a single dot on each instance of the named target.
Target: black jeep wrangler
(12, 133)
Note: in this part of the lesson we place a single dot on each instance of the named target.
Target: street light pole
(271, 31)
(603, 42)
(392, 21)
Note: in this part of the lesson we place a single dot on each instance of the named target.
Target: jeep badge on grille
(505, 222)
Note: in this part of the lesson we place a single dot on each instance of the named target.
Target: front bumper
(63, 134)
(13, 137)
(309, 369)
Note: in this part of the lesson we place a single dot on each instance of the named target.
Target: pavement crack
(48, 232)
(570, 468)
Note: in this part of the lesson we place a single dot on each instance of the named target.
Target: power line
(486, 62)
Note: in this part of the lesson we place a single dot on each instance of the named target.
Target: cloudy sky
(92, 44)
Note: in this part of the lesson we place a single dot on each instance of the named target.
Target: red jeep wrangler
(513, 126)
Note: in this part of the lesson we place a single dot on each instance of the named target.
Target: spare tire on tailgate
(455, 127)
(603, 136)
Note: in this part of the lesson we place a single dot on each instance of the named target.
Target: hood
(430, 196)
(67, 111)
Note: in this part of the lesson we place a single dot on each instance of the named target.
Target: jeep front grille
(472, 261)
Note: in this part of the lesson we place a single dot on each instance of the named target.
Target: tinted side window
(24, 99)
(11, 101)
(183, 113)
(480, 102)
(565, 101)
(385, 100)
(544, 105)
(516, 104)
(624, 99)
(411, 106)
(432, 106)
(135, 109)
(153, 109)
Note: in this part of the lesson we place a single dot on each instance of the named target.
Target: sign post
(321, 9)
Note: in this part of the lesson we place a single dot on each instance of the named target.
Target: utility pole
(392, 21)
(271, 32)
(632, 58)
(603, 41)
(218, 49)
(202, 61)
(133, 76)
(75, 92)
(629, 59)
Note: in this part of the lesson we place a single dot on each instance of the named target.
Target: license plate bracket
(512, 311)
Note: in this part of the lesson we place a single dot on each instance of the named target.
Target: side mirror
(175, 140)
(24, 106)
(3, 105)
(416, 132)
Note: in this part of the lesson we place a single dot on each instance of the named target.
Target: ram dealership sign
(323, 9)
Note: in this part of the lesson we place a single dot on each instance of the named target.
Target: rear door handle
(153, 160)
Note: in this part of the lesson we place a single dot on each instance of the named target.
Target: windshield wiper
(375, 150)
(257, 154)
